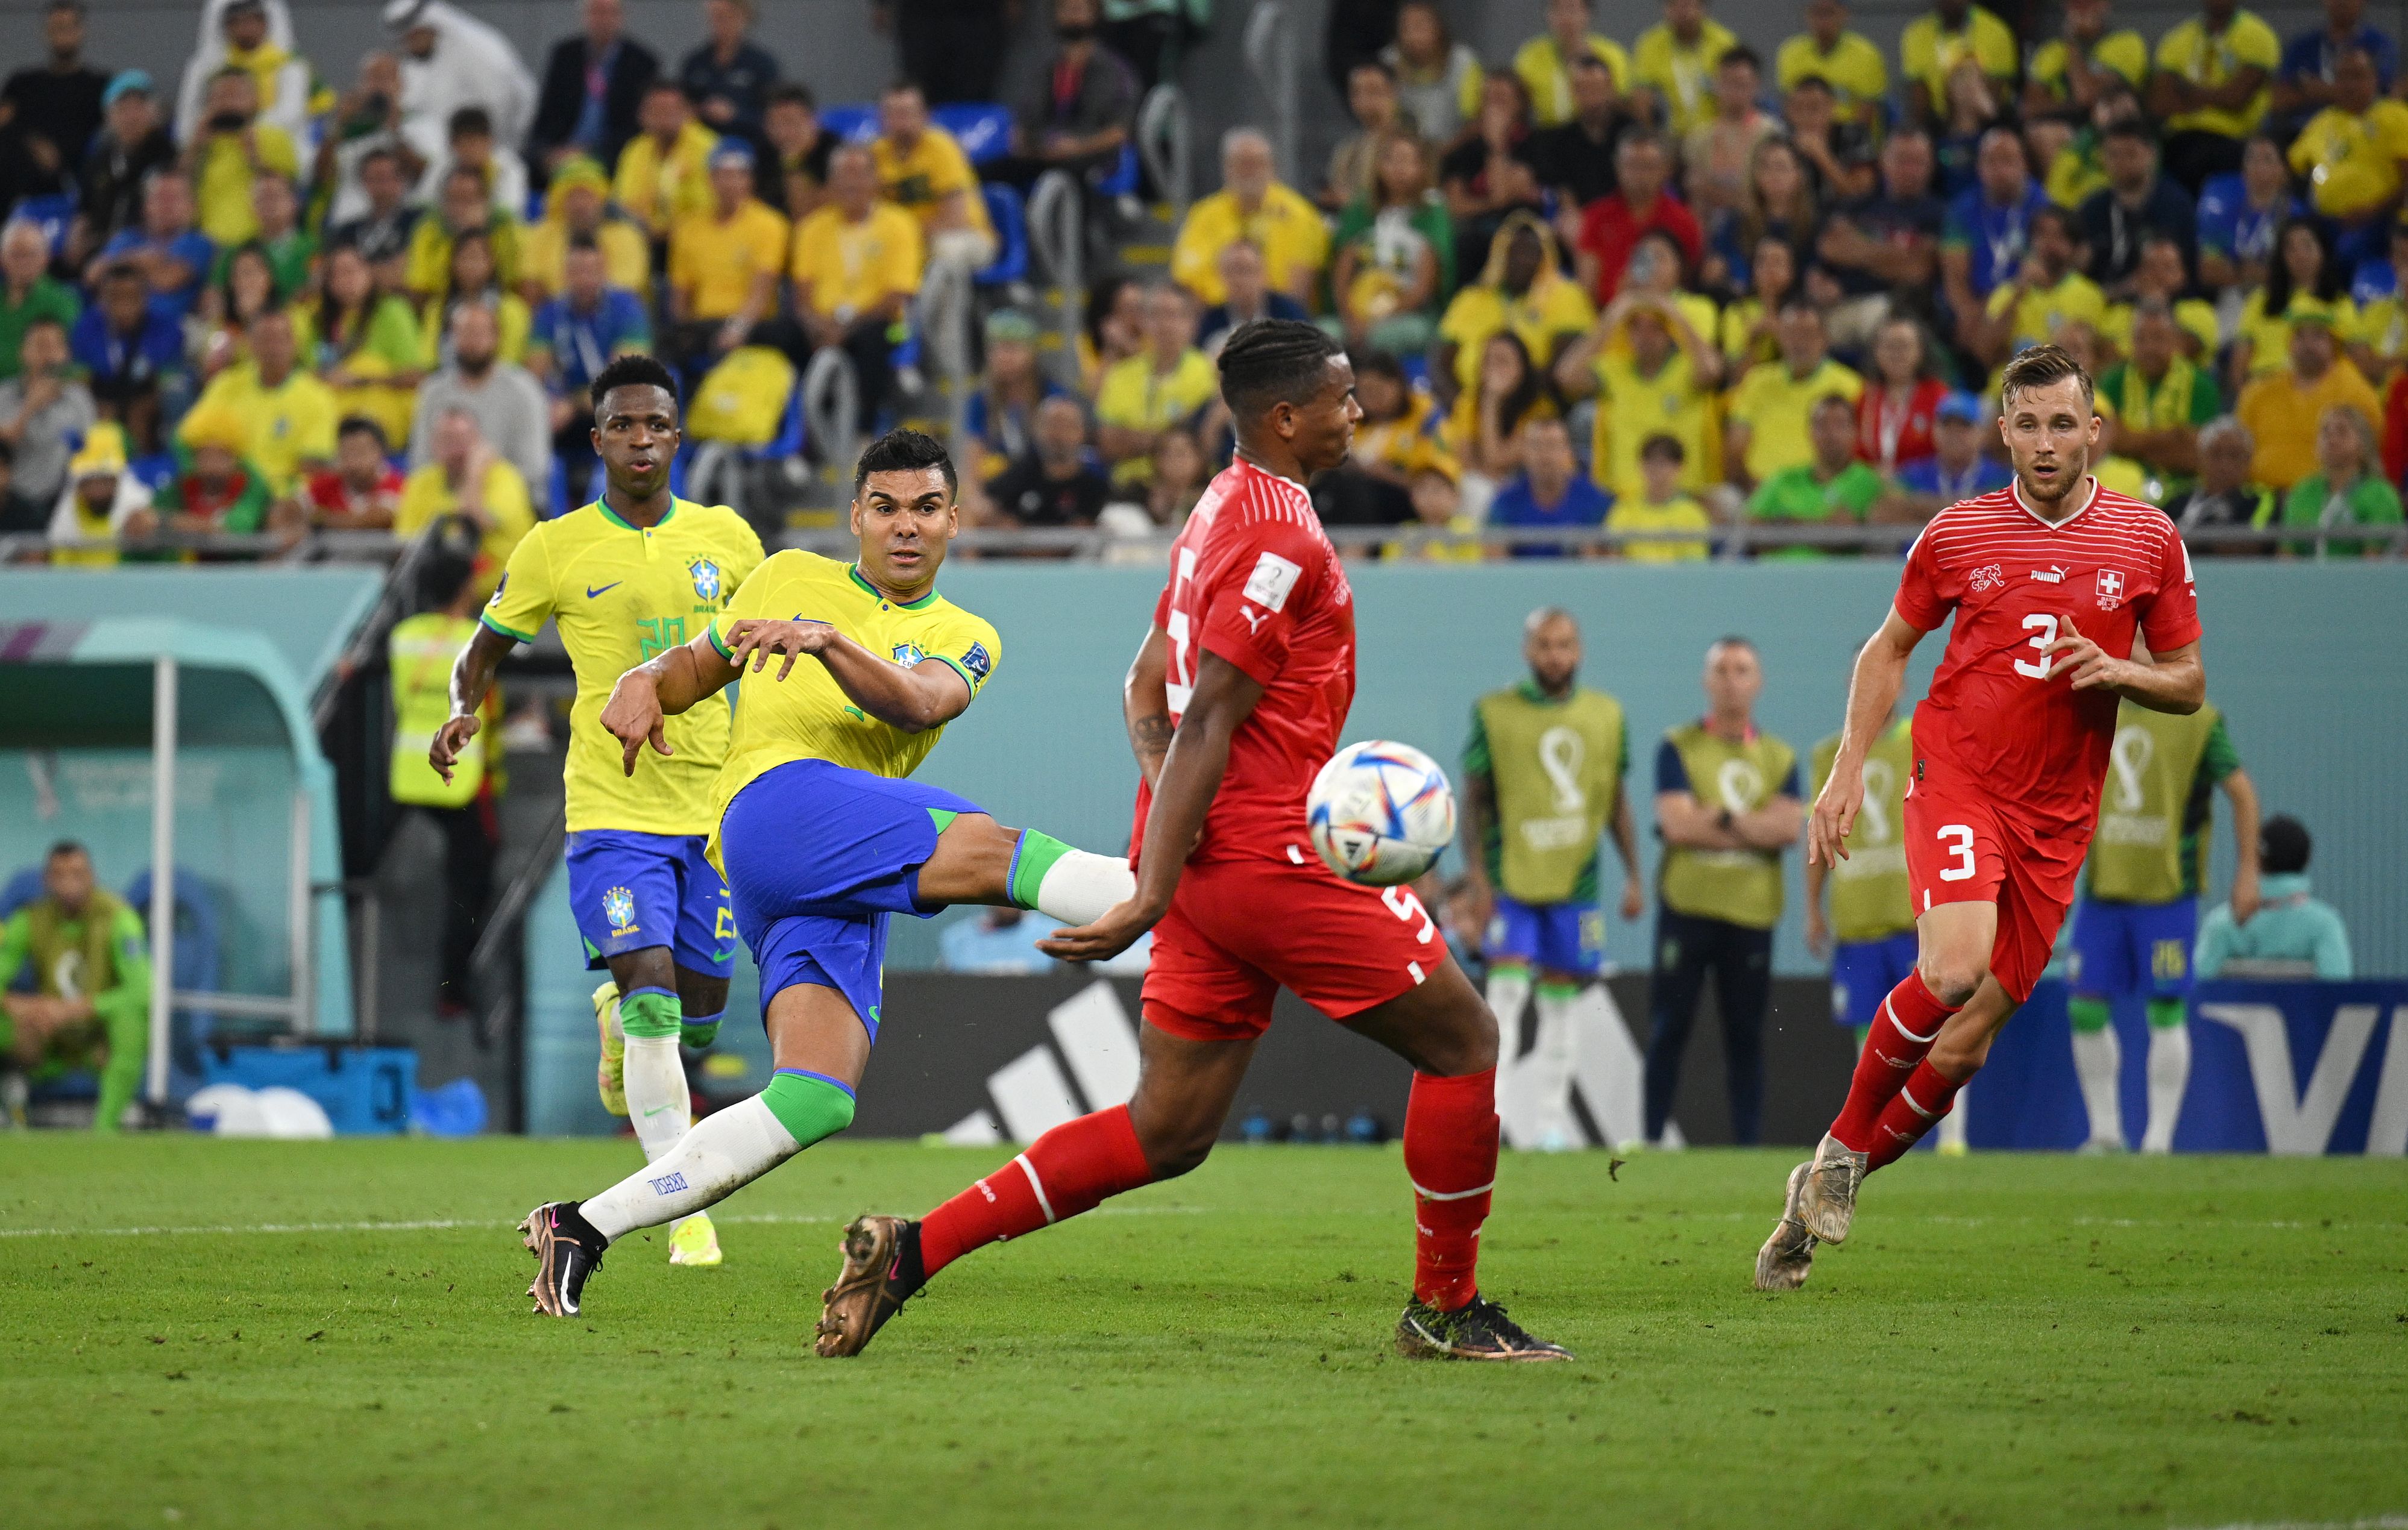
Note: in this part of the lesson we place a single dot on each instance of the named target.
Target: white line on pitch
(457, 1223)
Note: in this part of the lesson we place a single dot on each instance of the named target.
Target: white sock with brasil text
(725, 1152)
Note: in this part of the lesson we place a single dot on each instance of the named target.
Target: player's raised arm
(912, 697)
(661, 687)
(1873, 689)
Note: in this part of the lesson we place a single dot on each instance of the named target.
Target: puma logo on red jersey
(2053, 574)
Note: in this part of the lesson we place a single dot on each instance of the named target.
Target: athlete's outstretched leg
(819, 1046)
(1183, 1090)
(980, 861)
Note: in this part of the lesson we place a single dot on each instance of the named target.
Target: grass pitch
(200, 1333)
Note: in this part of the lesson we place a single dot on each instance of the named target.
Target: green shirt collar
(1527, 689)
(623, 523)
(876, 593)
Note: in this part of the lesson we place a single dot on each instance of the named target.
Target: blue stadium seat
(855, 121)
(53, 215)
(982, 128)
(1010, 216)
(1123, 180)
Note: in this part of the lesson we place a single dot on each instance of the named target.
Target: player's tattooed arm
(1145, 705)
(2172, 681)
(472, 677)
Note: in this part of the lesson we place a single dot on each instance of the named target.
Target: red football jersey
(1255, 580)
(2037, 747)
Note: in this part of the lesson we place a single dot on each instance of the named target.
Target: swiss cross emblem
(2111, 589)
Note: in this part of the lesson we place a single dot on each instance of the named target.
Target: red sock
(1902, 1030)
(1071, 1169)
(1921, 1101)
(1451, 1157)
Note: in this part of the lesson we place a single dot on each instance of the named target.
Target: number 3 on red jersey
(2038, 668)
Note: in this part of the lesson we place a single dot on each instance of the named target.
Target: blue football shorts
(630, 891)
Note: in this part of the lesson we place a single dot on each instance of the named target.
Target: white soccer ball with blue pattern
(1380, 813)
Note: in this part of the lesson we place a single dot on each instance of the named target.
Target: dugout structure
(160, 742)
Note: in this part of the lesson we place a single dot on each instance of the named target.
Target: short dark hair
(583, 241)
(903, 450)
(632, 370)
(792, 94)
(1741, 53)
(382, 152)
(903, 85)
(1811, 83)
(120, 270)
(2282, 845)
(360, 424)
(1378, 67)
(1269, 361)
(2132, 128)
(64, 848)
(2038, 367)
(2049, 212)
(1372, 359)
(470, 119)
(1662, 445)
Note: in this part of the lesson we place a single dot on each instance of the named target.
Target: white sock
(1551, 1065)
(1951, 1125)
(658, 1103)
(728, 1151)
(1509, 988)
(1080, 886)
(2098, 1063)
(2169, 1076)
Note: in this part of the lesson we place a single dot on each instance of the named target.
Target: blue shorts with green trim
(817, 856)
(630, 891)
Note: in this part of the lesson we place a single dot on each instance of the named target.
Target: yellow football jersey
(807, 716)
(623, 593)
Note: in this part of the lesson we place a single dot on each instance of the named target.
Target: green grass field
(201, 1333)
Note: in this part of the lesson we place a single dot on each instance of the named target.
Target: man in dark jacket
(132, 143)
(592, 86)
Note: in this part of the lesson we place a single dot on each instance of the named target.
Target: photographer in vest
(420, 653)
(1727, 803)
(2139, 915)
(1543, 777)
(89, 1009)
(1869, 933)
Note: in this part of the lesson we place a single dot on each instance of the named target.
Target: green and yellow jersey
(807, 716)
(1556, 764)
(1870, 899)
(621, 595)
(2157, 808)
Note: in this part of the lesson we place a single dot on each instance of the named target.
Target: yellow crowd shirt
(2122, 53)
(1137, 396)
(2196, 317)
(1553, 309)
(2352, 161)
(1853, 68)
(935, 169)
(1549, 79)
(222, 190)
(854, 266)
(1295, 241)
(1681, 513)
(1929, 55)
(807, 716)
(1631, 408)
(656, 189)
(1778, 410)
(2206, 58)
(291, 423)
(2074, 300)
(714, 261)
(621, 595)
(626, 256)
(1683, 76)
(427, 495)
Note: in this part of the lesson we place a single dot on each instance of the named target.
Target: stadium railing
(1271, 48)
(1057, 232)
(1166, 140)
(2342, 543)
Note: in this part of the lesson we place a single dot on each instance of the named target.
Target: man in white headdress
(451, 60)
(257, 36)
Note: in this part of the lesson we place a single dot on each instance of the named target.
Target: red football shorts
(1239, 931)
(1960, 849)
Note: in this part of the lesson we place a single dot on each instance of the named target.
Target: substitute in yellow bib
(634, 574)
(1727, 803)
(418, 656)
(848, 675)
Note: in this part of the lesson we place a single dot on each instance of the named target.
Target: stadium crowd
(1671, 288)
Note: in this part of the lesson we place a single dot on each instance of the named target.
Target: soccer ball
(1380, 813)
